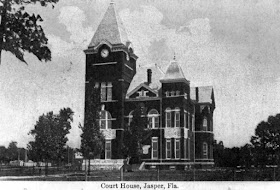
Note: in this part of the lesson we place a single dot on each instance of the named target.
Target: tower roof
(110, 29)
(174, 73)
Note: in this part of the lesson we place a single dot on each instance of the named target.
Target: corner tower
(111, 66)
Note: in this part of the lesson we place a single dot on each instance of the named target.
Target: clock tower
(111, 66)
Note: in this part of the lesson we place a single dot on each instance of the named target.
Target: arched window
(130, 117)
(105, 120)
(168, 117)
(204, 125)
(205, 150)
(153, 117)
(177, 117)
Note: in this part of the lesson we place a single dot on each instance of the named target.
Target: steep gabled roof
(174, 73)
(140, 86)
(141, 77)
(110, 29)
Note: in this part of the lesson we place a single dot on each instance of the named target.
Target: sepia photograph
(139, 94)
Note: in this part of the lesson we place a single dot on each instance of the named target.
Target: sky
(233, 45)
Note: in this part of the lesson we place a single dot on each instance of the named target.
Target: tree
(246, 157)
(12, 151)
(135, 133)
(21, 31)
(266, 141)
(92, 139)
(50, 136)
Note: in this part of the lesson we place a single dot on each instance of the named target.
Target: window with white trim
(168, 148)
(168, 117)
(108, 149)
(154, 147)
(109, 91)
(185, 120)
(130, 117)
(105, 120)
(189, 148)
(205, 150)
(167, 94)
(193, 123)
(105, 91)
(177, 148)
(177, 117)
(153, 118)
(204, 125)
(189, 121)
(185, 148)
(142, 93)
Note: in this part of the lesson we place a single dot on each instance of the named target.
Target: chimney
(196, 94)
(149, 76)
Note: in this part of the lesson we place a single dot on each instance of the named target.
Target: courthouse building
(180, 117)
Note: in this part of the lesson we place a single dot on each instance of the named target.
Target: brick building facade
(180, 117)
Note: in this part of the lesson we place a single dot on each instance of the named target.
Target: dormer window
(167, 94)
(177, 93)
(172, 93)
(142, 93)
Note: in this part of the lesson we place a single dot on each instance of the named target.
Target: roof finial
(112, 2)
(174, 56)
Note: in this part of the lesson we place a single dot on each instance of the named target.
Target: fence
(76, 174)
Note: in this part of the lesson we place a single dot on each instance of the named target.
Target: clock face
(104, 53)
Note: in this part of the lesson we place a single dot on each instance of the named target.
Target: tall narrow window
(204, 124)
(189, 122)
(189, 148)
(109, 91)
(168, 117)
(108, 149)
(105, 120)
(177, 148)
(168, 148)
(185, 148)
(96, 85)
(185, 120)
(130, 117)
(154, 148)
(193, 123)
(205, 150)
(153, 117)
(103, 91)
(177, 117)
